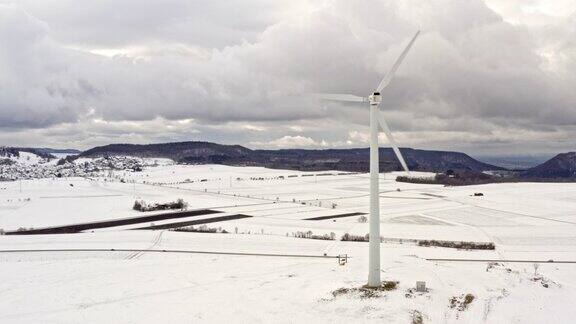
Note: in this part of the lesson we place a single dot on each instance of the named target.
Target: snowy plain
(526, 221)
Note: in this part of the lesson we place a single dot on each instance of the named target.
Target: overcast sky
(486, 77)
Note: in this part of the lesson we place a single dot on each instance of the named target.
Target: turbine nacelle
(375, 98)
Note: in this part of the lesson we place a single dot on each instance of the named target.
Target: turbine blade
(391, 140)
(388, 77)
(340, 97)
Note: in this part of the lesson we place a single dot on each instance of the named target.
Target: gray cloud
(236, 71)
(118, 23)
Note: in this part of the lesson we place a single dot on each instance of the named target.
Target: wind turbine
(376, 119)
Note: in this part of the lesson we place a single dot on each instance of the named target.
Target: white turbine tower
(376, 118)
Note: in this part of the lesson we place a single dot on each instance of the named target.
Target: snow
(27, 158)
(31, 166)
(526, 221)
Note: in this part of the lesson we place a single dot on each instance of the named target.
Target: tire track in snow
(155, 242)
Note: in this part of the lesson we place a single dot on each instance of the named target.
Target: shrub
(417, 317)
(362, 292)
(341, 291)
(468, 299)
(365, 291)
(181, 204)
(389, 285)
(140, 205)
(201, 229)
(355, 238)
(362, 219)
(462, 302)
(310, 235)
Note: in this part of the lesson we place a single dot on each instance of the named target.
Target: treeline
(459, 245)
(420, 180)
(453, 178)
(426, 243)
(443, 179)
(310, 235)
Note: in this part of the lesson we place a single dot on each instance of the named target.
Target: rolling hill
(296, 159)
(561, 166)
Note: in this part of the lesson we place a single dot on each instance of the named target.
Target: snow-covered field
(526, 221)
